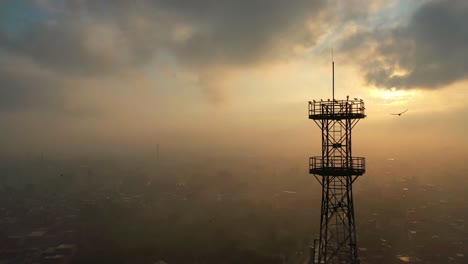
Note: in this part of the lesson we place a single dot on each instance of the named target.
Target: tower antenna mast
(333, 76)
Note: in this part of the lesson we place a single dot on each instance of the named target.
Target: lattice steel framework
(336, 170)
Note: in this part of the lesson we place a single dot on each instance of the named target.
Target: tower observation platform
(336, 170)
(336, 109)
(341, 117)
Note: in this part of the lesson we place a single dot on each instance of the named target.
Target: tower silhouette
(336, 170)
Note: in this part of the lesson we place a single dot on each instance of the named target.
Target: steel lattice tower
(336, 170)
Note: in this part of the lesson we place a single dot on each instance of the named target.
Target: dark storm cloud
(26, 90)
(59, 47)
(431, 49)
(218, 32)
(95, 38)
(90, 39)
(241, 32)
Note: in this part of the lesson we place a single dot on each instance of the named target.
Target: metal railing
(351, 108)
(337, 165)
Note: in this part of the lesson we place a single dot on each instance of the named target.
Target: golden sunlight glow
(393, 96)
(399, 73)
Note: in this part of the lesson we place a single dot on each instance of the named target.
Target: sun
(392, 96)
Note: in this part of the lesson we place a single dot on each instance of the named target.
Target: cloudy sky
(229, 77)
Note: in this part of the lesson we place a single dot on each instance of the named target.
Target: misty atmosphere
(177, 132)
(230, 210)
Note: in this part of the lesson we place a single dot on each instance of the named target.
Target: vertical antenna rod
(333, 76)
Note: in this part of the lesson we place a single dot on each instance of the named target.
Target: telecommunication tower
(336, 170)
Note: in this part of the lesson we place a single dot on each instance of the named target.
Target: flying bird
(399, 114)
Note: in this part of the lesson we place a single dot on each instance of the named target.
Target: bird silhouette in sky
(399, 114)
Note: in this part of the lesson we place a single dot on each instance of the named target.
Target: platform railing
(337, 165)
(338, 107)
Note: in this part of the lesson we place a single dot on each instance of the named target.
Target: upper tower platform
(337, 109)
